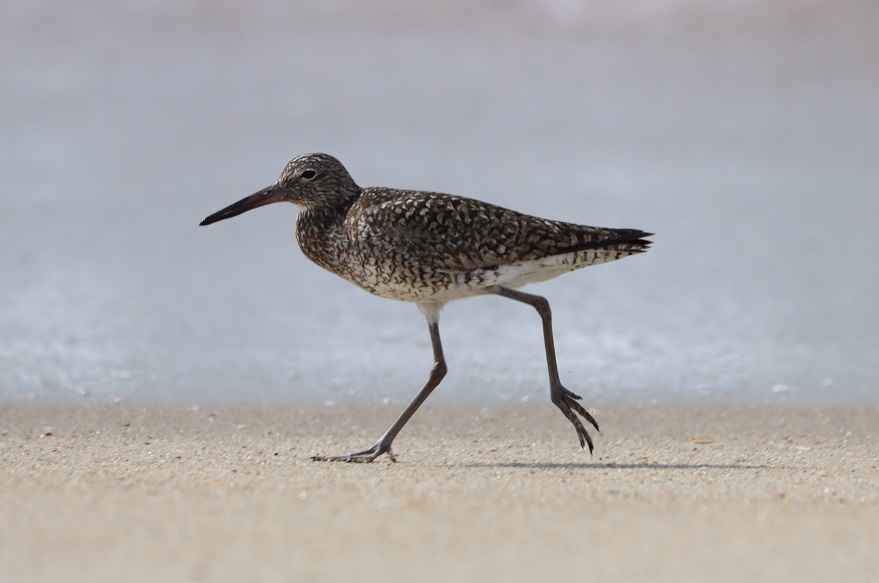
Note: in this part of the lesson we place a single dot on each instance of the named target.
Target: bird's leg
(383, 445)
(561, 397)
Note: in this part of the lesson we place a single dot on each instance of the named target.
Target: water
(744, 134)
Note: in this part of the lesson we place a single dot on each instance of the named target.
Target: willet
(431, 248)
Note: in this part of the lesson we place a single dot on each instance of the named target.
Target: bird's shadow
(621, 466)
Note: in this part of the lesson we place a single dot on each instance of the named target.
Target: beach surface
(709, 493)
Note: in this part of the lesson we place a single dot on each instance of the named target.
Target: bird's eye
(308, 174)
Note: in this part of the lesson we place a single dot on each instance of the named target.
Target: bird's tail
(604, 246)
(630, 241)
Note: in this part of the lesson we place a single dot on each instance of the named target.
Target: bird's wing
(457, 234)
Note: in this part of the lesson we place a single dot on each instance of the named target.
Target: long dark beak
(265, 196)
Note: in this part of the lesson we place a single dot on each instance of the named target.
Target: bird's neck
(319, 233)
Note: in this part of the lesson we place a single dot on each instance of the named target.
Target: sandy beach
(672, 493)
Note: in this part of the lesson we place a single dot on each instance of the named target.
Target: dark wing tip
(633, 239)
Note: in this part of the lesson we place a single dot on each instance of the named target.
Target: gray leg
(561, 397)
(383, 445)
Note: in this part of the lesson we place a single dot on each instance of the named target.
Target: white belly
(439, 286)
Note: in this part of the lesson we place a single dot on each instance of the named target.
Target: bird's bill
(268, 195)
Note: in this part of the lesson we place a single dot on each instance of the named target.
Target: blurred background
(744, 133)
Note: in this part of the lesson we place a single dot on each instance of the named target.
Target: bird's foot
(567, 402)
(361, 457)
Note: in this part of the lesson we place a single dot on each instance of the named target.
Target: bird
(431, 248)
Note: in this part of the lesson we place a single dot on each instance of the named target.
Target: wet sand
(672, 493)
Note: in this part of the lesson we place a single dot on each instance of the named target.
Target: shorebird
(430, 248)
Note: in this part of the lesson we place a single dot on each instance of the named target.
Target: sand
(671, 494)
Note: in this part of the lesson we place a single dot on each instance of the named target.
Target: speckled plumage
(431, 248)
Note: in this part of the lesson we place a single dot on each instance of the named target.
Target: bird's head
(311, 181)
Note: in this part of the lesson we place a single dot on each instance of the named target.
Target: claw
(582, 434)
(582, 411)
(361, 457)
(566, 401)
